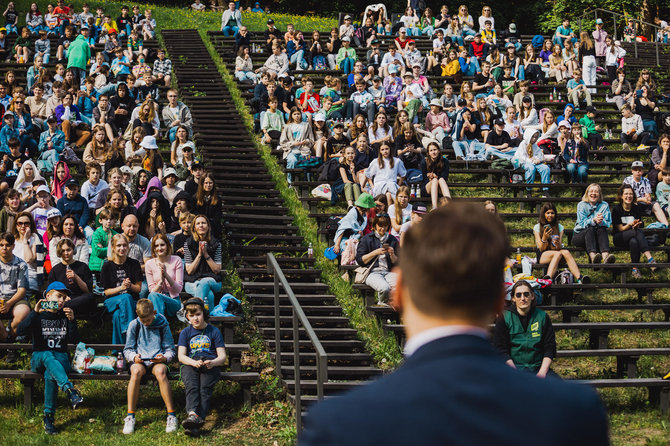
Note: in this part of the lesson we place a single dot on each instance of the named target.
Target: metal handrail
(614, 19)
(298, 318)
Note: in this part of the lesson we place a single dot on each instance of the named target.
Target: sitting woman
(28, 247)
(165, 277)
(146, 118)
(627, 227)
(25, 178)
(76, 276)
(377, 251)
(383, 173)
(576, 154)
(549, 241)
(71, 122)
(353, 224)
(362, 159)
(296, 140)
(202, 259)
(529, 156)
(121, 278)
(400, 211)
(347, 182)
(593, 219)
(153, 214)
(244, 67)
(69, 229)
(99, 148)
(435, 170)
(208, 203)
(524, 334)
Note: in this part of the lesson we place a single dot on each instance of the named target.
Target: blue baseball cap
(58, 286)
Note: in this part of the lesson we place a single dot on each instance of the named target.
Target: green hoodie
(79, 53)
(588, 124)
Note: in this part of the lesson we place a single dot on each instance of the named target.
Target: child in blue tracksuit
(7, 132)
(52, 329)
(149, 347)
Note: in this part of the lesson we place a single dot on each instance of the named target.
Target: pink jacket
(174, 268)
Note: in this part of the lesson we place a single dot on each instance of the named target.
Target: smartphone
(49, 305)
(639, 93)
(385, 246)
(547, 227)
(147, 359)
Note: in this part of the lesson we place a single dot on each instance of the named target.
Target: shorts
(647, 209)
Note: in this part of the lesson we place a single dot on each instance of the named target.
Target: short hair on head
(382, 220)
(144, 308)
(62, 242)
(7, 237)
(93, 166)
(445, 248)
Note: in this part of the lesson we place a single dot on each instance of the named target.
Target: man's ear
(398, 292)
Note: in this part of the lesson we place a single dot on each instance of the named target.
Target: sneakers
(381, 303)
(651, 261)
(636, 273)
(75, 397)
(129, 425)
(597, 258)
(610, 259)
(584, 279)
(642, 147)
(192, 432)
(171, 424)
(49, 426)
(626, 146)
(192, 422)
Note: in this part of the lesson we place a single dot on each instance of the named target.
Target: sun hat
(365, 200)
(149, 142)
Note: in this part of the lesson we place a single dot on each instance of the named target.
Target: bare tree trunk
(647, 12)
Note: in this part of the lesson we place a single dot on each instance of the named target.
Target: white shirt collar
(426, 336)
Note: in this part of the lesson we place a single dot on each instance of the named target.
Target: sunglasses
(18, 102)
(522, 294)
(22, 223)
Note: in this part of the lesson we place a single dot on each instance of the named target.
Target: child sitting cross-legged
(149, 347)
(52, 327)
(202, 353)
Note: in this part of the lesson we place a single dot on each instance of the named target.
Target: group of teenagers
(123, 229)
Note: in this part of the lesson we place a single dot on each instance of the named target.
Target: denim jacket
(586, 212)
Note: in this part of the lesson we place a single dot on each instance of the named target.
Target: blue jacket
(77, 207)
(149, 341)
(586, 212)
(7, 133)
(27, 119)
(58, 140)
(351, 223)
(458, 391)
(291, 48)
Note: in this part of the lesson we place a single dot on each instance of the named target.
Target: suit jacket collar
(449, 346)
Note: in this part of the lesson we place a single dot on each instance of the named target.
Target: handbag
(362, 272)
(322, 191)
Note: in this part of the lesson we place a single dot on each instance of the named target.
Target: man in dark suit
(453, 388)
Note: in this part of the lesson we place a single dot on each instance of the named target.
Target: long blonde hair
(398, 211)
(585, 41)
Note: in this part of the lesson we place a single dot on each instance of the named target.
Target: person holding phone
(53, 326)
(627, 227)
(379, 249)
(549, 242)
(593, 219)
(149, 347)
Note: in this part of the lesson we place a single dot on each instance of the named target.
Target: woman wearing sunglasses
(523, 334)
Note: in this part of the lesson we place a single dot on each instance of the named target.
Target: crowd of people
(93, 212)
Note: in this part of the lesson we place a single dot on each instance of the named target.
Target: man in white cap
(170, 189)
(599, 36)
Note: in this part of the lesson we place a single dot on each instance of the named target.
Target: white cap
(169, 171)
(43, 188)
(149, 142)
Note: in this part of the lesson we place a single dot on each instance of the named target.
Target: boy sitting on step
(149, 347)
(202, 353)
(52, 327)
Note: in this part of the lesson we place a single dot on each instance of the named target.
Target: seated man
(632, 129)
(13, 287)
(642, 189)
(577, 89)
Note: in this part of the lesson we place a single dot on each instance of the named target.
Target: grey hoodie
(149, 341)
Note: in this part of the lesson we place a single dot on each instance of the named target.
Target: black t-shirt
(645, 112)
(178, 243)
(498, 140)
(480, 79)
(122, 22)
(191, 187)
(50, 331)
(64, 40)
(289, 98)
(57, 273)
(275, 32)
(623, 217)
(10, 17)
(112, 275)
(334, 145)
(337, 43)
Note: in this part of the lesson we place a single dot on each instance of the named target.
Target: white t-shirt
(406, 216)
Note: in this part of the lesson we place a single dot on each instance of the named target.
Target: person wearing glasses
(523, 334)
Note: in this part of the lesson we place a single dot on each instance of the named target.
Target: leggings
(634, 240)
(593, 239)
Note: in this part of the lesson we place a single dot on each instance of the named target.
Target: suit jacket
(457, 391)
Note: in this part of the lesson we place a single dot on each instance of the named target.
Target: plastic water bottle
(555, 94)
(518, 255)
(559, 97)
(310, 251)
(418, 191)
(120, 364)
(551, 96)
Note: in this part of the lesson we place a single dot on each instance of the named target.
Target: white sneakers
(171, 424)
(129, 425)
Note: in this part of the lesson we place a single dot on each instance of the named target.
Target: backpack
(329, 171)
(565, 277)
(331, 226)
(537, 41)
(655, 238)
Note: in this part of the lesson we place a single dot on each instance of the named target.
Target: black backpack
(329, 171)
(331, 226)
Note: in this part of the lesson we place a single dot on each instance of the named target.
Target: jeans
(198, 386)
(172, 133)
(473, 67)
(593, 239)
(11, 28)
(589, 72)
(634, 240)
(347, 65)
(428, 31)
(144, 291)
(495, 153)
(291, 161)
(578, 173)
(230, 29)
(458, 40)
(650, 127)
(298, 58)
(45, 57)
(204, 289)
(413, 31)
(468, 147)
(245, 75)
(382, 282)
(48, 160)
(29, 143)
(122, 307)
(165, 305)
(368, 109)
(533, 169)
(55, 367)
(36, 29)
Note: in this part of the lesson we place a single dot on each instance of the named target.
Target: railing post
(658, 60)
(296, 369)
(271, 268)
(320, 375)
(635, 42)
